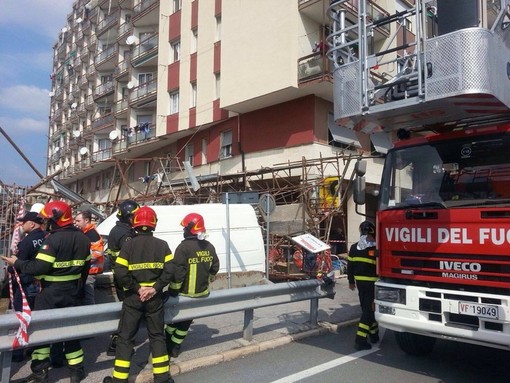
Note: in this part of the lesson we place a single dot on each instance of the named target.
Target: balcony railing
(121, 69)
(313, 66)
(142, 6)
(107, 22)
(124, 29)
(146, 50)
(105, 55)
(120, 106)
(102, 122)
(103, 89)
(101, 155)
(140, 134)
(144, 90)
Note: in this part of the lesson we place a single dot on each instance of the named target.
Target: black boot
(362, 345)
(38, 377)
(176, 350)
(374, 338)
(113, 346)
(77, 375)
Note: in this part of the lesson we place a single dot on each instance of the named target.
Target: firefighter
(83, 221)
(62, 264)
(361, 273)
(120, 234)
(142, 269)
(195, 262)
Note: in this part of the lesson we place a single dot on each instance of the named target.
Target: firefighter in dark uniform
(195, 262)
(62, 265)
(142, 269)
(361, 273)
(120, 234)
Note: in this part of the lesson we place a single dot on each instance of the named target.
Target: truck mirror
(360, 168)
(359, 191)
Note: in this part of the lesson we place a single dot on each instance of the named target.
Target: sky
(28, 31)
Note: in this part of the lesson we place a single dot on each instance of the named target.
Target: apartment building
(143, 88)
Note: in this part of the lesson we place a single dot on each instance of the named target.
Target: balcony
(108, 24)
(101, 155)
(92, 43)
(144, 95)
(91, 72)
(140, 134)
(124, 30)
(84, 82)
(107, 59)
(86, 27)
(120, 109)
(59, 93)
(103, 90)
(313, 67)
(121, 70)
(146, 52)
(80, 38)
(145, 13)
(84, 55)
(89, 103)
(103, 122)
(81, 111)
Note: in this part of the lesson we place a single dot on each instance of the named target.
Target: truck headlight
(390, 294)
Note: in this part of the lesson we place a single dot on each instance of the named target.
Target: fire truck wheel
(414, 344)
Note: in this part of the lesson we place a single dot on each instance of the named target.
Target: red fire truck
(441, 92)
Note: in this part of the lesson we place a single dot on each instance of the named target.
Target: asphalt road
(332, 358)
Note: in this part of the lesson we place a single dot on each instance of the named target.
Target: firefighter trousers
(57, 295)
(133, 310)
(367, 327)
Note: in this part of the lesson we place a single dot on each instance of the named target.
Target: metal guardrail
(56, 325)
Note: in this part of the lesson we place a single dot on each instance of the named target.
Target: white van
(246, 252)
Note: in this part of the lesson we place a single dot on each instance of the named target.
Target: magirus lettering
(460, 266)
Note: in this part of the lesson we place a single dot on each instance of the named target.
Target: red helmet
(194, 223)
(145, 218)
(59, 212)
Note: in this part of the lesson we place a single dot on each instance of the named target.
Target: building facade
(147, 92)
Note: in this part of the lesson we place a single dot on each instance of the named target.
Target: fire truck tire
(414, 344)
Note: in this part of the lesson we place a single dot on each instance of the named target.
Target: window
(176, 49)
(193, 95)
(226, 144)
(174, 102)
(217, 36)
(144, 78)
(189, 154)
(177, 5)
(194, 41)
(217, 87)
(204, 151)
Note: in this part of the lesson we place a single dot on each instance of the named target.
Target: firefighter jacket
(195, 262)
(96, 249)
(144, 261)
(119, 234)
(361, 264)
(63, 256)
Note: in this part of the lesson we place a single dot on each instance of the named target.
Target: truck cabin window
(454, 173)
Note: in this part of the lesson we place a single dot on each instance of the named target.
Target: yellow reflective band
(75, 361)
(120, 375)
(160, 359)
(362, 334)
(76, 354)
(64, 264)
(360, 259)
(122, 261)
(45, 257)
(160, 370)
(195, 295)
(41, 353)
(175, 285)
(192, 279)
(146, 266)
(61, 278)
(368, 279)
(364, 326)
(147, 283)
(122, 363)
(169, 257)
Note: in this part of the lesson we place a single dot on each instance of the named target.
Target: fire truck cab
(435, 78)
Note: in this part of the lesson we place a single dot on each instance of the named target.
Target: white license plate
(478, 310)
